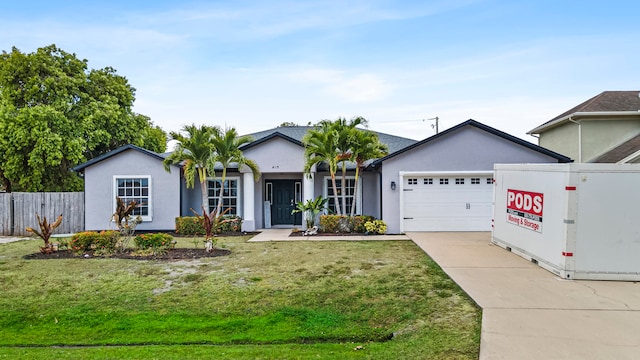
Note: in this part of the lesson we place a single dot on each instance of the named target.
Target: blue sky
(255, 64)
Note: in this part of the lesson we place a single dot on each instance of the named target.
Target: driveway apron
(529, 313)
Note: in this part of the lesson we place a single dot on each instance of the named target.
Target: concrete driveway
(529, 313)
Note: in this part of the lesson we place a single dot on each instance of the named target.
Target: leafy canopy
(56, 114)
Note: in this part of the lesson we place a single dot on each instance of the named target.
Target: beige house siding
(600, 136)
(562, 139)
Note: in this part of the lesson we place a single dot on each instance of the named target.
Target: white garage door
(447, 203)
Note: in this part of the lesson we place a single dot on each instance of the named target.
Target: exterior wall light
(393, 185)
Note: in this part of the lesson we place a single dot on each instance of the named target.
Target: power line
(435, 126)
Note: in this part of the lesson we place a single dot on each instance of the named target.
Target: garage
(446, 202)
(441, 183)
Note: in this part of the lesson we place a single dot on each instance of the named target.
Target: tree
(321, 145)
(288, 124)
(194, 151)
(55, 114)
(365, 146)
(346, 131)
(226, 150)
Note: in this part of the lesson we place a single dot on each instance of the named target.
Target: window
(489, 181)
(475, 181)
(349, 192)
(459, 181)
(444, 181)
(135, 188)
(269, 193)
(428, 181)
(412, 181)
(298, 191)
(229, 195)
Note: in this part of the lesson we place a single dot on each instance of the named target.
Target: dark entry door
(284, 201)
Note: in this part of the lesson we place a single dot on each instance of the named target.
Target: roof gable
(295, 134)
(605, 102)
(115, 152)
(476, 124)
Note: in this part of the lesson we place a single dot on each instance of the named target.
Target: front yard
(285, 300)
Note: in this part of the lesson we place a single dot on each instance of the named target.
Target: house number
(275, 167)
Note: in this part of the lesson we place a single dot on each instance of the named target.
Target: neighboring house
(603, 129)
(457, 164)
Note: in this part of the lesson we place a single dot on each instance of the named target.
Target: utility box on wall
(579, 221)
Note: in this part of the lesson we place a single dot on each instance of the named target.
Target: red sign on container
(524, 209)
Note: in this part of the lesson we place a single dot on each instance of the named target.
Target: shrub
(341, 223)
(376, 227)
(359, 221)
(329, 223)
(159, 243)
(192, 226)
(103, 242)
(106, 242)
(189, 226)
(233, 225)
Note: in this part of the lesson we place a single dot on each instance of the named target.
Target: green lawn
(284, 300)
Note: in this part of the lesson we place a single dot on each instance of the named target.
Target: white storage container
(579, 221)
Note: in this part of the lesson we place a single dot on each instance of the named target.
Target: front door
(284, 201)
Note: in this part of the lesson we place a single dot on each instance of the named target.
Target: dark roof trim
(117, 151)
(269, 137)
(481, 126)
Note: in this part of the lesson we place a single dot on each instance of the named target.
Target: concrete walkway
(8, 239)
(529, 313)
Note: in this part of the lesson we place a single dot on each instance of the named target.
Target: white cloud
(360, 87)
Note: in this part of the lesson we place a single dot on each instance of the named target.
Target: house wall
(277, 156)
(467, 149)
(561, 139)
(598, 137)
(100, 196)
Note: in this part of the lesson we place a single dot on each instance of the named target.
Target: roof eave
(582, 114)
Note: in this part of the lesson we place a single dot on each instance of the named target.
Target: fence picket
(26, 205)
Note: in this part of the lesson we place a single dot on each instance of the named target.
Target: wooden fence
(18, 211)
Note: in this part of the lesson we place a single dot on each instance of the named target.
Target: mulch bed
(173, 254)
(301, 233)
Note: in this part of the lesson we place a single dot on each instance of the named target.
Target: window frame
(238, 197)
(145, 218)
(358, 192)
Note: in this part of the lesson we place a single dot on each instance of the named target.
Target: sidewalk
(8, 239)
(528, 313)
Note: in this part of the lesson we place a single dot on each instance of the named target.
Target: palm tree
(365, 146)
(320, 145)
(226, 150)
(346, 132)
(194, 151)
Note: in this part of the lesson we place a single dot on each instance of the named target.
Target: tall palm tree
(226, 150)
(194, 151)
(365, 146)
(320, 145)
(346, 131)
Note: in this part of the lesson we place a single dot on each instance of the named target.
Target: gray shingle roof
(296, 133)
(607, 101)
(117, 151)
(481, 126)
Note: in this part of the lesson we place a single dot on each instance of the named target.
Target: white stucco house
(442, 183)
